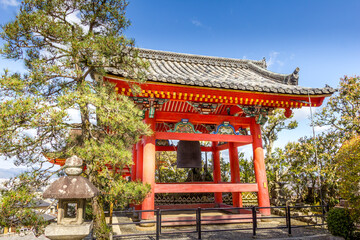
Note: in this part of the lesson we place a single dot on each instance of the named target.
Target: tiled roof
(216, 72)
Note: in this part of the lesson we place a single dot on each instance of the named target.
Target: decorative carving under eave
(184, 126)
(151, 104)
(204, 108)
(162, 142)
(225, 129)
(260, 113)
(243, 131)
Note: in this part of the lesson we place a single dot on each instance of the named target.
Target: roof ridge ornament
(288, 79)
(193, 58)
(264, 63)
(293, 78)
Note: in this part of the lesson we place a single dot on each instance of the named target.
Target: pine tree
(66, 47)
(270, 133)
(342, 112)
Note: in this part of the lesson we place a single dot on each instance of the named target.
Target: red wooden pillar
(139, 165)
(139, 160)
(133, 167)
(259, 167)
(149, 169)
(235, 173)
(217, 171)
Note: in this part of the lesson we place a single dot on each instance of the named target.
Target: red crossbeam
(205, 187)
(204, 137)
(174, 148)
(226, 146)
(200, 118)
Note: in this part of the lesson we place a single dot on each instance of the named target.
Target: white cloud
(196, 23)
(304, 113)
(280, 63)
(319, 129)
(247, 150)
(74, 116)
(301, 114)
(74, 19)
(199, 24)
(6, 163)
(274, 60)
(10, 3)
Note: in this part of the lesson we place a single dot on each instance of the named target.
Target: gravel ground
(297, 233)
(309, 232)
(29, 236)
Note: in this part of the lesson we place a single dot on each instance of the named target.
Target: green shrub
(340, 223)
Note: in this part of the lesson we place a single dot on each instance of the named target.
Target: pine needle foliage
(342, 111)
(17, 205)
(66, 47)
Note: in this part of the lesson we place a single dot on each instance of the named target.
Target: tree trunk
(101, 230)
(269, 148)
(84, 113)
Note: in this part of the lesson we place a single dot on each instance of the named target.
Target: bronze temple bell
(188, 154)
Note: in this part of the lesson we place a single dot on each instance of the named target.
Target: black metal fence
(253, 212)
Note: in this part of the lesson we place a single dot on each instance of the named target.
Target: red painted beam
(186, 206)
(226, 146)
(189, 183)
(207, 187)
(204, 137)
(174, 148)
(195, 118)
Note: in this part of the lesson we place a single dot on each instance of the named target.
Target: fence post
(286, 216)
(198, 222)
(325, 209)
(254, 220)
(160, 218)
(289, 219)
(158, 224)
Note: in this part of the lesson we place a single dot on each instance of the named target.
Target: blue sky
(320, 37)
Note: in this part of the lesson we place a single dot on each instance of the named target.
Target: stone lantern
(72, 191)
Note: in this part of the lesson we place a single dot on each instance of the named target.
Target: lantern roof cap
(71, 187)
